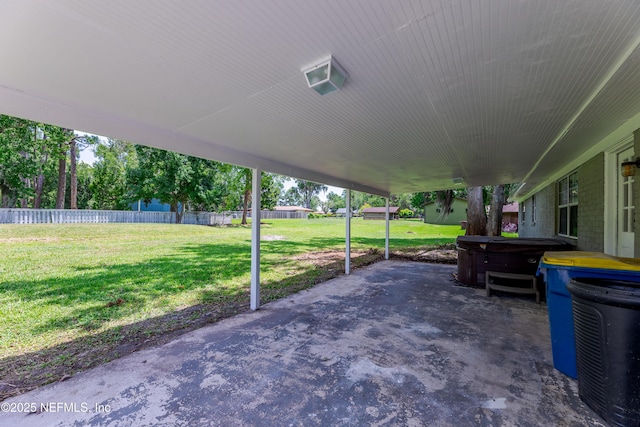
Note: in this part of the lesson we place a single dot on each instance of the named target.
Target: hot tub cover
(512, 244)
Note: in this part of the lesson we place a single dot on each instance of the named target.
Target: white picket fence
(67, 216)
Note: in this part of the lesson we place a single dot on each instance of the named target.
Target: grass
(76, 295)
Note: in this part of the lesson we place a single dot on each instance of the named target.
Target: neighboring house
(379, 213)
(589, 202)
(433, 213)
(510, 213)
(342, 212)
(291, 209)
(155, 205)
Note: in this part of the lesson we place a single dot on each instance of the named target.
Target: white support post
(255, 239)
(347, 257)
(386, 238)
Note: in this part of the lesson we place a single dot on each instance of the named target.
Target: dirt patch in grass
(29, 239)
(272, 237)
(445, 254)
(19, 374)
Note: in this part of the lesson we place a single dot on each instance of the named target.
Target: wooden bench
(532, 280)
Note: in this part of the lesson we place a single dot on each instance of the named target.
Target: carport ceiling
(491, 91)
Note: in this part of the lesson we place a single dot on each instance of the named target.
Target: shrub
(406, 213)
(363, 207)
(510, 227)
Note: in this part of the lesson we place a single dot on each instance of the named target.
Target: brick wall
(590, 208)
(636, 196)
(545, 217)
(591, 205)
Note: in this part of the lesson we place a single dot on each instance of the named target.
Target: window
(568, 205)
(627, 205)
(533, 210)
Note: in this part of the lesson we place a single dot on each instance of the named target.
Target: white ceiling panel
(492, 91)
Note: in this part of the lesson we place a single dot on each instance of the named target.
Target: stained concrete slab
(396, 343)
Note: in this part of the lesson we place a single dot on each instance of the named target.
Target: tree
(73, 172)
(406, 213)
(84, 177)
(419, 200)
(42, 159)
(494, 222)
(77, 143)
(62, 178)
(477, 221)
(272, 185)
(309, 189)
(64, 138)
(237, 189)
(402, 200)
(291, 197)
(374, 201)
(359, 199)
(110, 189)
(270, 189)
(363, 207)
(168, 176)
(27, 153)
(16, 164)
(210, 187)
(476, 215)
(247, 177)
(445, 200)
(335, 202)
(315, 203)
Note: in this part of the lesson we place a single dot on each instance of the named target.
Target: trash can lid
(590, 260)
(619, 293)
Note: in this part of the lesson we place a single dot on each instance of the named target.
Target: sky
(323, 196)
(87, 156)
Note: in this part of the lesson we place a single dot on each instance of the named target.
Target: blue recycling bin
(558, 268)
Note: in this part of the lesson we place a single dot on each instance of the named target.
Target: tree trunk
(307, 196)
(4, 195)
(73, 175)
(245, 206)
(62, 180)
(37, 204)
(494, 224)
(26, 182)
(39, 184)
(8, 198)
(476, 215)
(175, 208)
(24, 202)
(248, 180)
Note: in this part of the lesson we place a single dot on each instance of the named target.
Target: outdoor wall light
(325, 77)
(458, 181)
(629, 168)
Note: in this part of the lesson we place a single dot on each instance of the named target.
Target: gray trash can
(606, 315)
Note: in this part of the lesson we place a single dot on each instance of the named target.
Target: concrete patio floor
(395, 343)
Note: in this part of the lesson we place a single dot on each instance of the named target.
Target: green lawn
(74, 295)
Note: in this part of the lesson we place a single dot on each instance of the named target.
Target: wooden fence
(67, 216)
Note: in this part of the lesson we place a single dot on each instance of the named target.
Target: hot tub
(520, 255)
